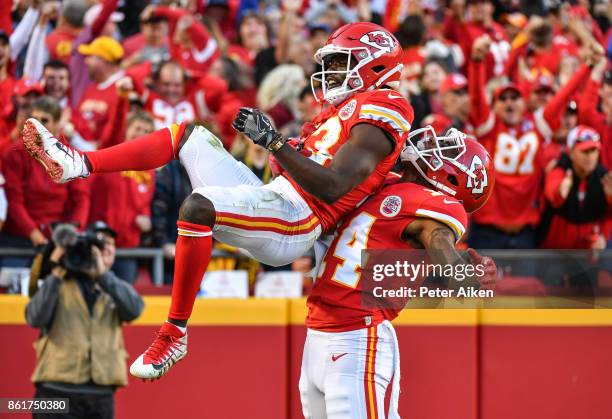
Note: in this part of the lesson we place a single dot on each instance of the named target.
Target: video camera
(78, 257)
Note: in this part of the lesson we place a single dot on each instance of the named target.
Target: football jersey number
(327, 136)
(168, 115)
(516, 157)
(348, 249)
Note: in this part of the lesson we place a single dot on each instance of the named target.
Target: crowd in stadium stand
(530, 80)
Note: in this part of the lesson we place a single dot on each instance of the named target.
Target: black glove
(255, 125)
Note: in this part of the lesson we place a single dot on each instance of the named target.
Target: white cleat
(169, 347)
(62, 162)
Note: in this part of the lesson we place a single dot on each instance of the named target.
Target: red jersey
(118, 198)
(93, 112)
(517, 157)
(35, 201)
(59, 42)
(6, 113)
(336, 301)
(199, 104)
(384, 108)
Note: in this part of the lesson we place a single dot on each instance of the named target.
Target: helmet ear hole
(452, 179)
(378, 68)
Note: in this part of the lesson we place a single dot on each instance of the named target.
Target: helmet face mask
(453, 164)
(352, 81)
(373, 58)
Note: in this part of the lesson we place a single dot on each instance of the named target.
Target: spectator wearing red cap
(598, 91)
(578, 192)
(456, 101)
(514, 138)
(25, 92)
(35, 201)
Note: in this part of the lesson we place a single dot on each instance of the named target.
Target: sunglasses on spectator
(460, 92)
(511, 97)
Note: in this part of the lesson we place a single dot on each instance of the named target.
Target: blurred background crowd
(529, 79)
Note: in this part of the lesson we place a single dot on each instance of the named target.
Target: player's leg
(361, 367)
(63, 163)
(272, 223)
(311, 376)
(205, 161)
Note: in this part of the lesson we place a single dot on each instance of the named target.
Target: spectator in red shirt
(59, 41)
(514, 138)
(123, 199)
(6, 85)
(456, 101)
(465, 33)
(191, 45)
(103, 57)
(35, 201)
(151, 44)
(599, 90)
(25, 92)
(579, 196)
(253, 37)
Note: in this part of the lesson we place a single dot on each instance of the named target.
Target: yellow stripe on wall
(280, 312)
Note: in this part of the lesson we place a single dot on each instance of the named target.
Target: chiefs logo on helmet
(379, 40)
(481, 181)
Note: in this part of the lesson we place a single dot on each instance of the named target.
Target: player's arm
(439, 240)
(352, 164)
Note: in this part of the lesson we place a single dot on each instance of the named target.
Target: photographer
(80, 309)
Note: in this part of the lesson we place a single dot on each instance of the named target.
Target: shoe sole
(34, 146)
(151, 379)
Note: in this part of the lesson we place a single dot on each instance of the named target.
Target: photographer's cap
(102, 227)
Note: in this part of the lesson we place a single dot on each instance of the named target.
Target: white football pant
(271, 222)
(345, 375)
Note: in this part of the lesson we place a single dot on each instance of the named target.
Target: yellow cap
(104, 47)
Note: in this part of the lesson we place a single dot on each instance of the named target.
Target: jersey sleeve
(387, 110)
(445, 210)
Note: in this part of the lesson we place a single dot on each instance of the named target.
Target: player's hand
(566, 184)
(255, 125)
(489, 279)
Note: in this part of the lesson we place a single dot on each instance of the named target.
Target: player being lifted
(355, 144)
(351, 351)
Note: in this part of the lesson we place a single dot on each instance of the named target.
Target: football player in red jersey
(351, 353)
(352, 145)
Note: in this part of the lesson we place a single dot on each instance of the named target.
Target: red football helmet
(374, 59)
(454, 164)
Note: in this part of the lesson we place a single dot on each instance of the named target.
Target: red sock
(193, 251)
(143, 153)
